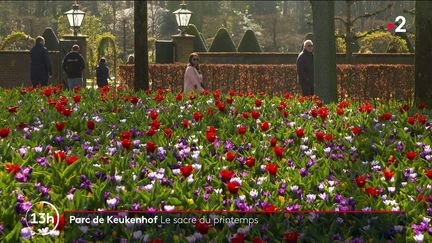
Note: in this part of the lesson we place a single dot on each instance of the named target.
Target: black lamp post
(182, 17)
(75, 18)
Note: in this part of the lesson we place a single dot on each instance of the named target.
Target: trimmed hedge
(198, 45)
(51, 40)
(222, 42)
(249, 43)
(357, 82)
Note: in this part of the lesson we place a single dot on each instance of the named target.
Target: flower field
(158, 150)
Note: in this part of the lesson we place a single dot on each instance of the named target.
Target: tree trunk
(325, 51)
(141, 48)
(423, 52)
(349, 36)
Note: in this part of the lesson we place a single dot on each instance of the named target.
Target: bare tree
(350, 37)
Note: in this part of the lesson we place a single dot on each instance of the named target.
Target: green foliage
(17, 41)
(382, 42)
(51, 40)
(249, 43)
(222, 42)
(198, 41)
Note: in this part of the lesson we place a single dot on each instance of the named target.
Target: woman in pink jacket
(193, 77)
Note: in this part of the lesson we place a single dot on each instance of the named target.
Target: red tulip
(329, 137)
(314, 113)
(356, 130)
(91, 125)
(385, 116)
(241, 130)
(59, 155)
(198, 116)
(185, 123)
(279, 151)
(61, 222)
(125, 135)
(388, 174)
(250, 161)
(186, 170)
(255, 114)
(411, 155)
(226, 175)
(155, 124)
(300, 132)
(59, 126)
(168, 132)
(151, 147)
(134, 100)
(154, 115)
(361, 181)
(151, 132)
(126, 143)
(340, 112)
(230, 100)
(233, 187)
(77, 98)
(72, 160)
(12, 109)
(411, 120)
(429, 174)
(239, 238)
(373, 192)
(4, 132)
(179, 96)
(12, 168)
(291, 237)
(230, 156)
(258, 103)
(264, 126)
(231, 92)
(323, 112)
(272, 169)
(245, 115)
(66, 112)
(273, 142)
(202, 228)
(319, 136)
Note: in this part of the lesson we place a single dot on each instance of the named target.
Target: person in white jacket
(193, 77)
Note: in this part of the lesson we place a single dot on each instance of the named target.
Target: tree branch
(367, 15)
(341, 19)
(411, 11)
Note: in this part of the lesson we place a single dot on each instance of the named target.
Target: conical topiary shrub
(198, 42)
(203, 41)
(249, 43)
(222, 42)
(51, 40)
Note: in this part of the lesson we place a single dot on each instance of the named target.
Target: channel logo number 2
(400, 28)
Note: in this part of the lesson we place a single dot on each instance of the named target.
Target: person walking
(305, 69)
(102, 73)
(73, 65)
(40, 63)
(193, 77)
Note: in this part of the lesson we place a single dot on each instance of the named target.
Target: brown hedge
(363, 81)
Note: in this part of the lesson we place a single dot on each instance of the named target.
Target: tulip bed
(157, 150)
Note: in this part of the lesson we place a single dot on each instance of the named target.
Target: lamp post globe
(183, 16)
(75, 18)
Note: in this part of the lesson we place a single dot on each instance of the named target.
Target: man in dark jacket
(305, 69)
(73, 65)
(40, 64)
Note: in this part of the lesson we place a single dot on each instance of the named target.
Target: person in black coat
(102, 73)
(305, 69)
(40, 64)
(74, 65)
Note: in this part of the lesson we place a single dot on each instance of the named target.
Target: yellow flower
(190, 201)
(89, 194)
(40, 206)
(179, 207)
(281, 199)
(114, 234)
